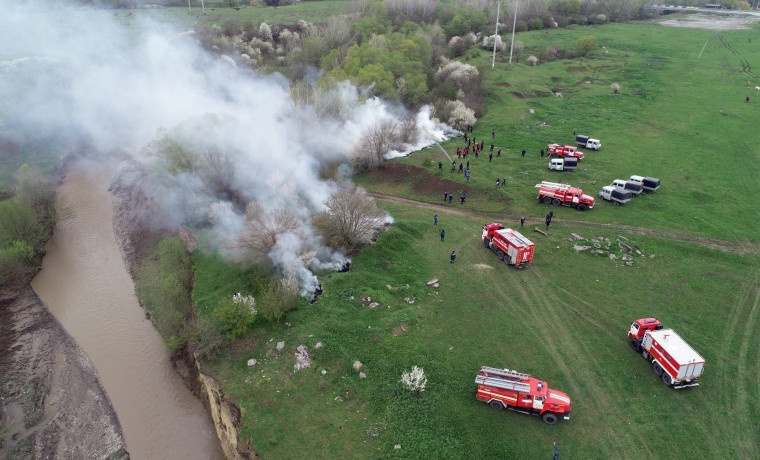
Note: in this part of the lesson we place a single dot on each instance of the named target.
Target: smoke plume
(120, 85)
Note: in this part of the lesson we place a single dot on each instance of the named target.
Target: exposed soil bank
(135, 231)
(53, 405)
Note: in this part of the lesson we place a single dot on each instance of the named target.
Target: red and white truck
(672, 358)
(511, 246)
(501, 388)
(565, 195)
(559, 150)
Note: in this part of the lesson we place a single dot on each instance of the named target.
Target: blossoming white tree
(415, 380)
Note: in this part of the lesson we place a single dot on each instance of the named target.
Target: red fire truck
(563, 194)
(520, 392)
(672, 358)
(509, 245)
(559, 150)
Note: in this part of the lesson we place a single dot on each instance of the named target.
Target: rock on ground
(303, 360)
(53, 404)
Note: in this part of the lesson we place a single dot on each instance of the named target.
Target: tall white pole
(203, 7)
(495, 34)
(514, 24)
(189, 8)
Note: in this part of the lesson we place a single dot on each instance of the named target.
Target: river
(86, 286)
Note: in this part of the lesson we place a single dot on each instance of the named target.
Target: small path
(743, 247)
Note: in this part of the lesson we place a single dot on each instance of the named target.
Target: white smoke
(119, 86)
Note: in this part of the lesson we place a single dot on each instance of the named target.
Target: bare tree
(262, 228)
(374, 143)
(351, 219)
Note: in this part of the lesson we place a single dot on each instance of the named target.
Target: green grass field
(564, 319)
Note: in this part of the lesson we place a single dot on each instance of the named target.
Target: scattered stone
(397, 446)
(319, 345)
(280, 346)
(577, 237)
(613, 256)
(323, 372)
(392, 288)
(432, 282)
(435, 285)
(303, 360)
(403, 326)
(451, 347)
(579, 248)
(651, 256)
(373, 305)
(629, 263)
(252, 362)
(357, 365)
(362, 375)
(408, 300)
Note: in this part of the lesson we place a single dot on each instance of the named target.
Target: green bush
(233, 319)
(280, 298)
(535, 24)
(163, 286)
(585, 45)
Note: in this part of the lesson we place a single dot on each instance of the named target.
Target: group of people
(450, 197)
(443, 237)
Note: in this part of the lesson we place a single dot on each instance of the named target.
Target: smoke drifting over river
(118, 88)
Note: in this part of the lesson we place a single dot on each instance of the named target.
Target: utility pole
(495, 34)
(514, 24)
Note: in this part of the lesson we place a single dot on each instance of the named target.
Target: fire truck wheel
(496, 405)
(657, 369)
(501, 254)
(555, 155)
(486, 243)
(581, 207)
(666, 379)
(507, 259)
(635, 345)
(550, 418)
(556, 202)
(547, 199)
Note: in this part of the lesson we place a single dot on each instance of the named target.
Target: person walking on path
(464, 197)
(522, 221)
(451, 197)
(445, 196)
(453, 256)
(443, 234)
(435, 219)
(549, 219)
(523, 153)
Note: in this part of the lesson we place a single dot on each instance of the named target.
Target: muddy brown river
(86, 286)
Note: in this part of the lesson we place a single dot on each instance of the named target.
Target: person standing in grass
(556, 451)
(443, 234)
(453, 256)
(435, 220)
(549, 219)
(522, 221)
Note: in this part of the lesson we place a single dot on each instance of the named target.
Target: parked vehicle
(672, 358)
(628, 186)
(563, 164)
(509, 245)
(649, 184)
(504, 388)
(588, 142)
(565, 195)
(559, 150)
(615, 195)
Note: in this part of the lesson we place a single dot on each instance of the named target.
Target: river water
(86, 286)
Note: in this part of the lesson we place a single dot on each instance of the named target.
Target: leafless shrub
(374, 143)
(262, 227)
(351, 219)
(532, 60)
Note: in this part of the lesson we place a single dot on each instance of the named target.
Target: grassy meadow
(564, 319)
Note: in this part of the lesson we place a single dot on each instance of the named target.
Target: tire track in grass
(745, 431)
(599, 394)
(562, 346)
(735, 402)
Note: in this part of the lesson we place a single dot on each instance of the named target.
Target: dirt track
(741, 247)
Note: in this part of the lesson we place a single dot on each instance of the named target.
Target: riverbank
(136, 236)
(53, 404)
